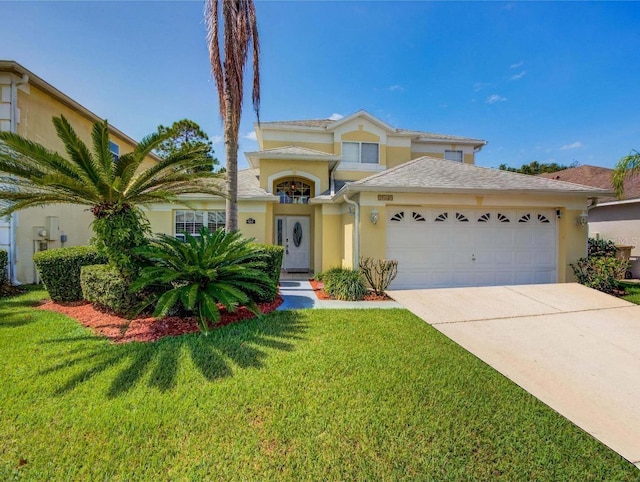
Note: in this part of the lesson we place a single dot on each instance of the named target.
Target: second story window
(293, 191)
(453, 156)
(115, 150)
(362, 152)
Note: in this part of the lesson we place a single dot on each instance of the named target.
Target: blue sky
(546, 81)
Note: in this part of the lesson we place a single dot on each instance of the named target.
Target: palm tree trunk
(231, 143)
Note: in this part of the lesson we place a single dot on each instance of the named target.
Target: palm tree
(112, 188)
(240, 34)
(628, 165)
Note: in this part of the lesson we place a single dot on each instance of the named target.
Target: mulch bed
(123, 330)
(318, 289)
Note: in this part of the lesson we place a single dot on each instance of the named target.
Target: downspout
(332, 179)
(13, 123)
(356, 232)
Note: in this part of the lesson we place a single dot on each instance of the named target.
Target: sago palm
(240, 35)
(112, 188)
(203, 271)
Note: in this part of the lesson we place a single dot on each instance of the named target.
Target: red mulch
(318, 289)
(122, 330)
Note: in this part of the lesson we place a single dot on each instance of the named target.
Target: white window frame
(459, 153)
(210, 219)
(359, 161)
(115, 150)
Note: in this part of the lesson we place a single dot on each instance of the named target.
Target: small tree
(183, 136)
(379, 273)
(627, 166)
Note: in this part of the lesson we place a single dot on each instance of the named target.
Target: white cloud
(492, 99)
(335, 116)
(517, 65)
(518, 76)
(396, 88)
(478, 86)
(251, 136)
(216, 140)
(575, 145)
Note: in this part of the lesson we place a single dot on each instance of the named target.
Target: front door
(294, 234)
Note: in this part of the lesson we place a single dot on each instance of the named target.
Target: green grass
(368, 395)
(633, 292)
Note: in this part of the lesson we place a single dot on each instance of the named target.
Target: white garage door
(441, 248)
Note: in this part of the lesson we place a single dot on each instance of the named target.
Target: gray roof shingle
(439, 175)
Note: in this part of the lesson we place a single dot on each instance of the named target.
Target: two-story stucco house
(332, 191)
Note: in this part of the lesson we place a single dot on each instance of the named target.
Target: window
(361, 152)
(191, 222)
(293, 191)
(453, 156)
(115, 150)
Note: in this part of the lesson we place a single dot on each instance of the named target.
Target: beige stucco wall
(37, 108)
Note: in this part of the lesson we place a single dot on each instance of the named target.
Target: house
(27, 105)
(332, 191)
(610, 218)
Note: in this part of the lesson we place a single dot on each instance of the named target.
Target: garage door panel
(480, 248)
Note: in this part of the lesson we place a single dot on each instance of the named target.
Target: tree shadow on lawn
(241, 344)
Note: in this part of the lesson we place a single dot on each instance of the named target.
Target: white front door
(294, 234)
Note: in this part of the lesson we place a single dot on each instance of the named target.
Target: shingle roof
(249, 185)
(438, 175)
(597, 177)
(294, 151)
(324, 123)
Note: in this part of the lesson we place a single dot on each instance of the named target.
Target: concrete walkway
(574, 348)
(298, 294)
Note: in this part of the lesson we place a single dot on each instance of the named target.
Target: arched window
(293, 191)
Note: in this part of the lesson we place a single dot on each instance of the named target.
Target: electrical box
(53, 228)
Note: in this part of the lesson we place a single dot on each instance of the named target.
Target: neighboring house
(331, 191)
(27, 105)
(610, 218)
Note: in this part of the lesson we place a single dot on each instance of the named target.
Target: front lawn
(633, 292)
(352, 394)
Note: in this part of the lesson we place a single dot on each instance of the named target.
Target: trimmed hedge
(4, 262)
(602, 273)
(60, 270)
(273, 259)
(105, 286)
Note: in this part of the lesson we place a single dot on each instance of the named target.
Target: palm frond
(626, 167)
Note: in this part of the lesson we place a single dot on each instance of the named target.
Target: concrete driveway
(574, 348)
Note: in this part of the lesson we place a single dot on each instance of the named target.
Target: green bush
(272, 256)
(200, 273)
(344, 284)
(4, 262)
(601, 248)
(105, 286)
(601, 273)
(320, 277)
(60, 270)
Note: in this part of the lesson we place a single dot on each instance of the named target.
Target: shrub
(105, 286)
(601, 248)
(60, 270)
(379, 273)
(117, 235)
(345, 284)
(272, 256)
(320, 277)
(601, 273)
(201, 272)
(4, 262)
